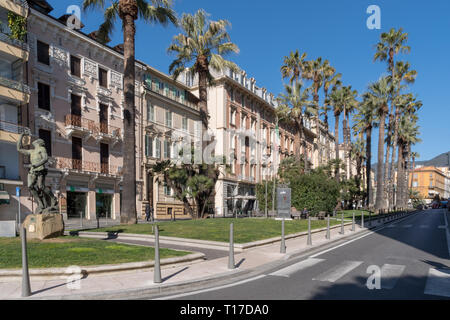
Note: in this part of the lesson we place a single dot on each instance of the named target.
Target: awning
(4, 197)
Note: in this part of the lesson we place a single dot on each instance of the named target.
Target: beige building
(429, 182)
(14, 97)
(171, 118)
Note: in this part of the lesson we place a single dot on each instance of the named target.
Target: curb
(59, 273)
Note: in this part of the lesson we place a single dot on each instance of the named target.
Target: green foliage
(18, 26)
(314, 191)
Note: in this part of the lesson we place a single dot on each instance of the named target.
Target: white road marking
(390, 273)
(342, 244)
(338, 272)
(211, 289)
(286, 272)
(442, 227)
(438, 282)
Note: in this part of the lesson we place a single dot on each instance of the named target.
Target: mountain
(442, 160)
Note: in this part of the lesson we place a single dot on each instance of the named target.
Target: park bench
(295, 213)
(321, 215)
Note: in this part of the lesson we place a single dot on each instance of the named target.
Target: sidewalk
(174, 279)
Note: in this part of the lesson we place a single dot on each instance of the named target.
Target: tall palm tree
(293, 66)
(201, 47)
(378, 93)
(331, 79)
(391, 43)
(364, 122)
(349, 105)
(336, 100)
(154, 11)
(294, 106)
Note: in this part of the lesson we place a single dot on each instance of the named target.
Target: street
(412, 254)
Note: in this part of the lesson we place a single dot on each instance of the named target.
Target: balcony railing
(80, 122)
(169, 94)
(105, 128)
(15, 42)
(12, 127)
(16, 85)
(87, 166)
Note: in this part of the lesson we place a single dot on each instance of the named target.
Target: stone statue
(47, 202)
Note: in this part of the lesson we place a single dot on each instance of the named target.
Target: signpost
(284, 203)
(18, 206)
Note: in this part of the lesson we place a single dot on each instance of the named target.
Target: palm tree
(331, 79)
(293, 66)
(202, 45)
(154, 11)
(378, 95)
(294, 106)
(364, 121)
(349, 104)
(391, 43)
(336, 100)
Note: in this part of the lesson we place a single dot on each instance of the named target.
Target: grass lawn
(68, 251)
(245, 230)
(349, 213)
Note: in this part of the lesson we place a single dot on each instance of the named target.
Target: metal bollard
(26, 289)
(283, 243)
(370, 219)
(362, 220)
(157, 267)
(353, 221)
(342, 224)
(328, 228)
(309, 243)
(231, 264)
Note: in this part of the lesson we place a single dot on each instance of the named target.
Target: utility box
(8, 229)
(284, 203)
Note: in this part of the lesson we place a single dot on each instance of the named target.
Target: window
(233, 117)
(150, 111)
(43, 53)
(157, 148)
(75, 66)
(232, 95)
(185, 124)
(43, 96)
(168, 118)
(148, 146)
(47, 137)
(243, 101)
(415, 184)
(167, 149)
(167, 191)
(103, 77)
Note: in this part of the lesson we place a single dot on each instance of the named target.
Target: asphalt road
(412, 257)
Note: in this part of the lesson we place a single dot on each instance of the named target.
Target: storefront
(104, 202)
(76, 201)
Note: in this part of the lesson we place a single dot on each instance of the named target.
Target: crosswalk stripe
(390, 273)
(338, 272)
(438, 282)
(286, 272)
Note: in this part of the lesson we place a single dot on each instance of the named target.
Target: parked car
(444, 204)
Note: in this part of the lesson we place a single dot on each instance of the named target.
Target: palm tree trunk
(369, 165)
(129, 214)
(336, 145)
(380, 200)
(400, 177)
(391, 165)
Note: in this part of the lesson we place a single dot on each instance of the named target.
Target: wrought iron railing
(87, 166)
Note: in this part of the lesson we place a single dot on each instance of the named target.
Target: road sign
(284, 203)
(17, 191)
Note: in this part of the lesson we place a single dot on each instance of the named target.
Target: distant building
(429, 181)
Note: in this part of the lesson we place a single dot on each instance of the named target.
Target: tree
(294, 106)
(154, 11)
(391, 43)
(378, 95)
(202, 45)
(330, 80)
(364, 122)
(336, 100)
(293, 66)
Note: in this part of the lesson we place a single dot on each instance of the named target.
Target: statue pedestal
(44, 226)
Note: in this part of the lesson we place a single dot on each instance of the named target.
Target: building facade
(14, 97)
(429, 182)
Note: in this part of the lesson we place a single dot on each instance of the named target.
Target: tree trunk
(400, 177)
(369, 199)
(345, 136)
(391, 165)
(380, 203)
(336, 137)
(128, 213)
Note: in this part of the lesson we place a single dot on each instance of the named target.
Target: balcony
(106, 133)
(19, 7)
(79, 125)
(87, 167)
(10, 131)
(169, 94)
(14, 91)
(13, 48)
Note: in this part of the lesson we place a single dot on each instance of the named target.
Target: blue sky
(266, 31)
